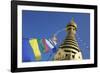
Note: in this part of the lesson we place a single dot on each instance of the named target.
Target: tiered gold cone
(69, 49)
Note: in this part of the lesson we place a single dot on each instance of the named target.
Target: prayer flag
(51, 46)
(35, 48)
(46, 46)
(41, 45)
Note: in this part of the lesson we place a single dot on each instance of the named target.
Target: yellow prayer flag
(35, 48)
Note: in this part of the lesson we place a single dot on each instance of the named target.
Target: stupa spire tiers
(69, 49)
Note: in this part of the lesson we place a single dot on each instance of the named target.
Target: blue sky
(43, 24)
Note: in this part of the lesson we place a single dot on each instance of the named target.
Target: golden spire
(69, 49)
(71, 24)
